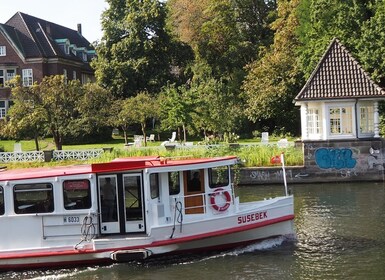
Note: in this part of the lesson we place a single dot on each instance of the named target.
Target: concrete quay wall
(326, 161)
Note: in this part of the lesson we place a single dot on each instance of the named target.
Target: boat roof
(120, 164)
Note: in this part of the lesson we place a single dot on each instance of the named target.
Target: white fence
(50, 155)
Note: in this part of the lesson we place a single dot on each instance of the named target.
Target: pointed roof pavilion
(339, 76)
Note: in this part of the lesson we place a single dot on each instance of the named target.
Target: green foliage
(64, 109)
(371, 43)
(275, 79)
(136, 52)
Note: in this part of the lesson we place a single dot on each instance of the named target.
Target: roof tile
(337, 76)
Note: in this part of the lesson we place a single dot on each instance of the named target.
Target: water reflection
(340, 234)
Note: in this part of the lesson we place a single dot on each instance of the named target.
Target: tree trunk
(144, 133)
(184, 133)
(37, 142)
(124, 128)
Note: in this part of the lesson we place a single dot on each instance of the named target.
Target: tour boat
(129, 209)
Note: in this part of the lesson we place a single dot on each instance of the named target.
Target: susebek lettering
(249, 218)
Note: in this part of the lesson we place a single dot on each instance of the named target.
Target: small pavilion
(340, 100)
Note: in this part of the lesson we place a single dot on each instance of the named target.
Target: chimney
(80, 28)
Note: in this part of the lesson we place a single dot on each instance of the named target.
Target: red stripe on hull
(59, 263)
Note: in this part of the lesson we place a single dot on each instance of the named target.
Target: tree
(27, 117)
(175, 109)
(321, 21)
(59, 98)
(275, 79)
(139, 109)
(371, 43)
(217, 110)
(136, 52)
(61, 108)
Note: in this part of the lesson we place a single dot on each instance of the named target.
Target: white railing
(76, 154)
(21, 156)
(53, 155)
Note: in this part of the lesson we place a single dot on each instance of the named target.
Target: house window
(340, 120)
(313, 121)
(3, 109)
(27, 77)
(74, 75)
(3, 51)
(2, 78)
(366, 119)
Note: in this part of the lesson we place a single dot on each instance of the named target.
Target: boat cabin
(121, 197)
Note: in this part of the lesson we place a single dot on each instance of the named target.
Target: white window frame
(73, 75)
(342, 123)
(8, 74)
(313, 122)
(27, 77)
(3, 50)
(3, 109)
(366, 119)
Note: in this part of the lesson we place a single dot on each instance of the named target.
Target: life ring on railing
(227, 197)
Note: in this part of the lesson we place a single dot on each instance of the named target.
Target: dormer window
(73, 49)
(3, 51)
(64, 44)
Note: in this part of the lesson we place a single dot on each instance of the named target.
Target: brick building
(33, 48)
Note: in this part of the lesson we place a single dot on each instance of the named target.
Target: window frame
(42, 205)
(71, 203)
(27, 75)
(2, 202)
(174, 189)
(340, 120)
(154, 185)
(223, 183)
(366, 123)
(3, 51)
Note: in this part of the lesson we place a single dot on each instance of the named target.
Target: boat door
(133, 202)
(194, 190)
(108, 200)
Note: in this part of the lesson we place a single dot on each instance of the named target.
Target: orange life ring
(227, 197)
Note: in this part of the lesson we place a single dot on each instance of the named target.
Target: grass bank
(251, 154)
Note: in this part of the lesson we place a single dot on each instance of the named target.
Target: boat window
(77, 194)
(33, 198)
(173, 182)
(154, 185)
(219, 176)
(194, 181)
(1, 201)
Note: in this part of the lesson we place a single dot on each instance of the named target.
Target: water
(340, 234)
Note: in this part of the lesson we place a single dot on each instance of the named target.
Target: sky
(67, 13)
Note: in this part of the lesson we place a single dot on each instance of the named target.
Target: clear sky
(67, 13)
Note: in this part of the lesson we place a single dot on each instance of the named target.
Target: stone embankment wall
(326, 161)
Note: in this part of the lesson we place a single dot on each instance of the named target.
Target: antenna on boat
(281, 159)
(284, 172)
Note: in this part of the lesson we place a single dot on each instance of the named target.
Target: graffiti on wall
(265, 175)
(335, 158)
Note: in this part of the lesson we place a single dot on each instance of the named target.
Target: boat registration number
(71, 220)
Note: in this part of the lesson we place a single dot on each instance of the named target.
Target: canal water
(340, 234)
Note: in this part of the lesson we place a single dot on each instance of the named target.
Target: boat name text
(252, 217)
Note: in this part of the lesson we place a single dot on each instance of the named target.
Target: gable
(339, 76)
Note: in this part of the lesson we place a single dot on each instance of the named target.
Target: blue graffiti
(334, 158)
